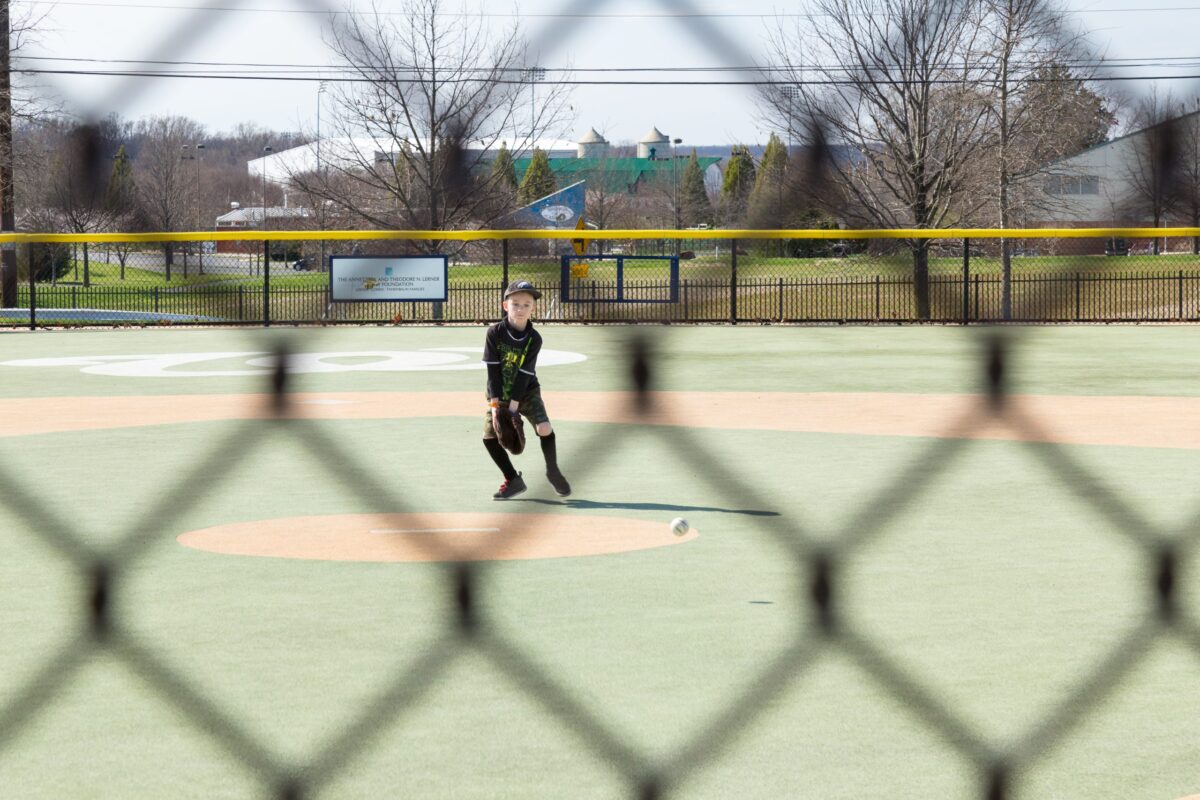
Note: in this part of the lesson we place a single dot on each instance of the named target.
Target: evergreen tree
(504, 170)
(738, 182)
(538, 181)
(769, 199)
(119, 196)
(694, 206)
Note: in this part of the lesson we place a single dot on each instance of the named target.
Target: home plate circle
(434, 537)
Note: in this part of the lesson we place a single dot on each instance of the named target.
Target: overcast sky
(633, 33)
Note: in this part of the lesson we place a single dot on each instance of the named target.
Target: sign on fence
(388, 278)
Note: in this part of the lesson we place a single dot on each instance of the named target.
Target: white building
(1095, 188)
(345, 153)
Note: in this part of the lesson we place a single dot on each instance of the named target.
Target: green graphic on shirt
(511, 361)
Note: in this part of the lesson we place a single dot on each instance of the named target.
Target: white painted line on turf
(253, 363)
(436, 530)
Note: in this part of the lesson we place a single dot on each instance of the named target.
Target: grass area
(548, 270)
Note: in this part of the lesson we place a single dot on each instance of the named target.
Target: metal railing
(280, 277)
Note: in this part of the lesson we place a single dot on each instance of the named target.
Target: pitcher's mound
(434, 537)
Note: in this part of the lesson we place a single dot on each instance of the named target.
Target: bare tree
(1153, 160)
(163, 181)
(77, 183)
(1187, 187)
(609, 196)
(434, 94)
(897, 81)
(1024, 44)
(22, 104)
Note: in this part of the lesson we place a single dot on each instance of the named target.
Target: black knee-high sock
(500, 456)
(550, 451)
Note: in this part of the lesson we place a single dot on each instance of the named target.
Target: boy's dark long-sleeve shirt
(511, 358)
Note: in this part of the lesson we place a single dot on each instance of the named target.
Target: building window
(1072, 184)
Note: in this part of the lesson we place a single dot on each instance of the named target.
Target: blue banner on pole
(559, 210)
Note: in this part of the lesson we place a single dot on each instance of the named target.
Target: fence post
(1180, 294)
(155, 288)
(1077, 296)
(877, 292)
(241, 303)
(733, 282)
(966, 294)
(266, 283)
(32, 285)
(504, 262)
(781, 299)
(74, 297)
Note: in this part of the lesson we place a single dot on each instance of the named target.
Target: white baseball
(679, 526)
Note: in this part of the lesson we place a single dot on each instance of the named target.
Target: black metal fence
(780, 280)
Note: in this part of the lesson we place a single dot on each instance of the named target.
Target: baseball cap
(522, 286)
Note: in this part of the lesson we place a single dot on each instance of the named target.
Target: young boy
(510, 352)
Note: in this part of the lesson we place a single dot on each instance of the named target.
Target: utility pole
(321, 172)
(675, 188)
(8, 253)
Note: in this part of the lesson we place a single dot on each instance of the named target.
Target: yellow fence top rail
(711, 233)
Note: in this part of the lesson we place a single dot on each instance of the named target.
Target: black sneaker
(510, 488)
(559, 482)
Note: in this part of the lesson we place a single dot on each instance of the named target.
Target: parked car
(303, 264)
(1116, 247)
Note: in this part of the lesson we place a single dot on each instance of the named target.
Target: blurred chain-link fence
(819, 564)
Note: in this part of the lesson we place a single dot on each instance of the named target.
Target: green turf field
(995, 590)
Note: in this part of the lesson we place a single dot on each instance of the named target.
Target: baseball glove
(511, 430)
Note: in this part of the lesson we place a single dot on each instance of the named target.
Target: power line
(1125, 63)
(536, 15)
(572, 82)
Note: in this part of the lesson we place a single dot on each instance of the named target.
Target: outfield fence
(818, 276)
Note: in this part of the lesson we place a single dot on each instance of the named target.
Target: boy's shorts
(530, 407)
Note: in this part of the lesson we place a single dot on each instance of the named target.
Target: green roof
(615, 174)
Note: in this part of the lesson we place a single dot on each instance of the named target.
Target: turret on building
(654, 145)
(592, 145)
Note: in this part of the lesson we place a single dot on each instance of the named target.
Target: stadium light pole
(321, 88)
(266, 151)
(193, 153)
(535, 74)
(675, 180)
(791, 93)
